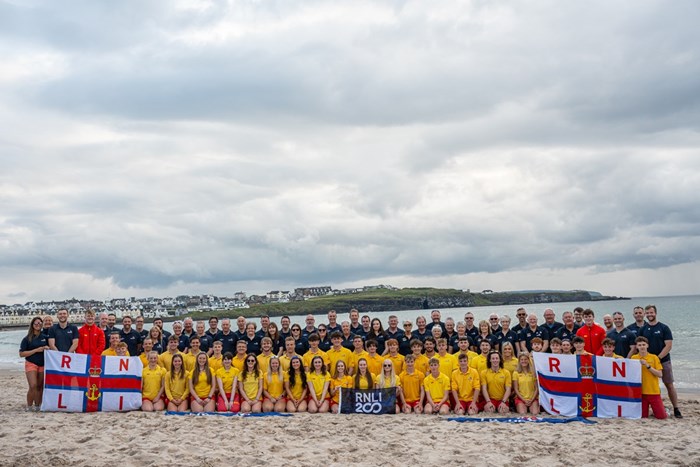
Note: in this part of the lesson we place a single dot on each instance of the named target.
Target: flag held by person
(91, 383)
(368, 401)
(589, 386)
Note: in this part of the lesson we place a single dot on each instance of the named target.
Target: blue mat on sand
(520, 420)
(229, 414)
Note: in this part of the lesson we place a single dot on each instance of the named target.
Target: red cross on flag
(589, 386)
(91, 383)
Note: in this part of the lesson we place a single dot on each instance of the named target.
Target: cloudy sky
(182, 147)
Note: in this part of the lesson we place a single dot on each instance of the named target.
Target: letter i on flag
(589, 386)
(90, 383)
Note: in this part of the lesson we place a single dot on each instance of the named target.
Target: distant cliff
(414, 299)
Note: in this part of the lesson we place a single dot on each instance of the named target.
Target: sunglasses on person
(251, 360)
(388, 365)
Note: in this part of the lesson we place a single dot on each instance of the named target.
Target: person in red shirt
(91, 339)
(592, 333)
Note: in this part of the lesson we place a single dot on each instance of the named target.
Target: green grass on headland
(403, 299)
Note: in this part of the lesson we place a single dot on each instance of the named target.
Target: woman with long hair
(363, 378)
(277, 342)
(525, 386)
(31, 349)
(495, 385)
(319, 381)
(341, 380)
(388, 379)
(250, 385)
(202, 387)
(156, 336)
(295, 386)
(227, 383)
(377, 333)
(177, 385)
(273, 387)
(508, 354)
(152, 386)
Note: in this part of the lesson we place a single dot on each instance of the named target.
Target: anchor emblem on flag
(93, 393)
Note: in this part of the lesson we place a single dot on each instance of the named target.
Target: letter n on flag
(91, 383)
(589, 386)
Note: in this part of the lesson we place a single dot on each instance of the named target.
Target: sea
(678, 312)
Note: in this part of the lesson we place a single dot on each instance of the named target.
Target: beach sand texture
(144, 439)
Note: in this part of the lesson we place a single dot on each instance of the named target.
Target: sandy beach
(138, 438)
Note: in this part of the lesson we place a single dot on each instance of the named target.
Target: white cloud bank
(211, 147)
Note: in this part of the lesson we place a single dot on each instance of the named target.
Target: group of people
(439, 367)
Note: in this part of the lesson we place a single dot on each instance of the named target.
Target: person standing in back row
(91, 340)
(660, 343)
(592, 333)
(62, 335)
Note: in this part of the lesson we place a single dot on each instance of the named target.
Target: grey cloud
(418, 147)
(414, 70)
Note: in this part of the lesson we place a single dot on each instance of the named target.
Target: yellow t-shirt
(436, 387)
(447, 364)
(227, 377)
(374, 364)
(411, 385)
(190, 361)
(264, 362)
(479, 363)
(251, 385)
(465, 384)
(151, 381)
(422, 364)
(166, 360)
(399, 362)
(364, 384)
(334, 356)
(285, 362)
(308, 356)
(496, 382)
(201, 387)
(527, 384)
(387, 383)
(650, 382)
(215, 363)
(318, 381)
(178, 388)
(345, 382)
(510, 365)
(144, 359)
(111, 353)
(298, 389)
(238, 363)
(356, 357)
(614, 355)
(275, 386)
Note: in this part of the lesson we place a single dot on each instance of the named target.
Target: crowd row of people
(492, 358)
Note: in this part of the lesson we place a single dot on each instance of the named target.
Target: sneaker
(677, 412)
